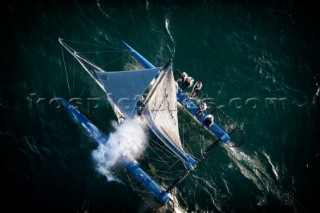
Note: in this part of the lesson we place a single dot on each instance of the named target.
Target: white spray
(127, 142)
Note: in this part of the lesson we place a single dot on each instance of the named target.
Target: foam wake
(128, 142)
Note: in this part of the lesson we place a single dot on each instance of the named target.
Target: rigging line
(111, 62)
(150, 160)
(203, 144)
(218, 116)
(160, 148)
(183, 134)
(206, 143)
(178, 180)
(219, 91)
(242, 141)
(186, 146)
(106, 51)
(177, 161)
(189, 140)
(157, 148)
(164, 158)
(163, 148)
(158, 144)
(164, 151)
(163, 177)
(170, 170)
(83, 90)
(185, 174)
(162, 174)
(206, 152)
(126, 172)
(65, 68)
(74, 76)
(97, 45)
(159, 159)
(218, 108)
(167, 162)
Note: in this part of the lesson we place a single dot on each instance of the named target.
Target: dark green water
(258, 60)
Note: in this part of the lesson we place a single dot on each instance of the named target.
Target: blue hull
(145, 179)
(144, 62)
(189, 105)
(132, 167)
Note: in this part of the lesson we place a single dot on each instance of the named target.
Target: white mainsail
(160, 112)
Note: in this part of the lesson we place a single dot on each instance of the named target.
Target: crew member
(183, 77)
(187, 83)
(202, 107)
(208, 121)
(197, 87)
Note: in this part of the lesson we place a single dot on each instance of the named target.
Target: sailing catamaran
(125, 89)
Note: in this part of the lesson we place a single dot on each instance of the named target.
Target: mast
(159, 79)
